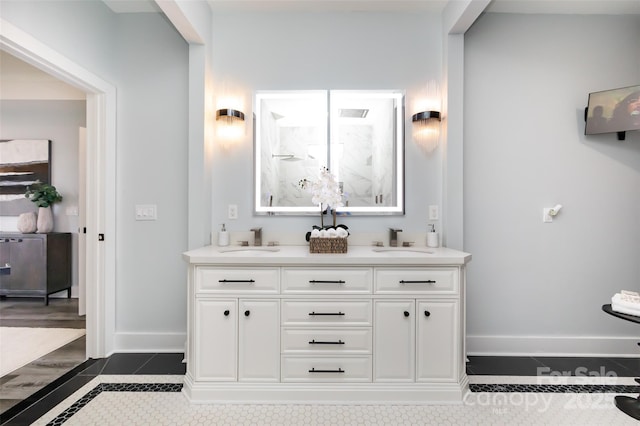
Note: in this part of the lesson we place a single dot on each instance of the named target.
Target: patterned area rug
(19, 346)
(117, 400)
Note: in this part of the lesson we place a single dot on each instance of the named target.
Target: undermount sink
(254, 251)
(402, 251)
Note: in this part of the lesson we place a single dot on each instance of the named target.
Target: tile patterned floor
(101, 393)
(106, 400)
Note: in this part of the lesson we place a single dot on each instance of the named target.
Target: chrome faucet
(393, 237)
(257, 236)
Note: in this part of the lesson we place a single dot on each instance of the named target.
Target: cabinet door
(437, 325)
(394, 341)
(259, 340)
(216, 340)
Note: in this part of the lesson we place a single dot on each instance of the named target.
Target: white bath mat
(19, 346)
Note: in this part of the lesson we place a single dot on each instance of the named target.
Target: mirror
(357, 135)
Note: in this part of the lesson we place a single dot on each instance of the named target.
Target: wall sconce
(230, 123)
(426, 129)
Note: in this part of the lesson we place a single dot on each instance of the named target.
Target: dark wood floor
(29, 312)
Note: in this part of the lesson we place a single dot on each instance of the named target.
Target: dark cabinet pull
(318, 342)
(406, 313)
(325, 313)
(236, 281)
(427, 313)
(417, 282)
(247, 313)
(327, 281)
(313, 370)
(226, 313)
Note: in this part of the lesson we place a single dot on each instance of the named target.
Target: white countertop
(299, 255)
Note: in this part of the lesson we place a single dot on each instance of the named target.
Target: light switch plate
(146, 212)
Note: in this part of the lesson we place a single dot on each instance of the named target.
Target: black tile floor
(32, 408)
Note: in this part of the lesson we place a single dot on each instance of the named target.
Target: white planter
(45, 220)
(27, 223)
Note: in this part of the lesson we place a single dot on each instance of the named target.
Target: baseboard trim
(553, 346)
(150, 342)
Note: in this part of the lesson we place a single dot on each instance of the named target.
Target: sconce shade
(426, 129)
(426, 115)
(229, 114)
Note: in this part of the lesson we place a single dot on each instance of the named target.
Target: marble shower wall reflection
(365, 137)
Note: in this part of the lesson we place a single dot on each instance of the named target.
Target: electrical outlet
(433, 213)
(233, 211)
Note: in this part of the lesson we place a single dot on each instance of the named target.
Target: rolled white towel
(342, 233)
(626, 300)
(323, 233)
(625, 310)
(332, 233)
(315, 233)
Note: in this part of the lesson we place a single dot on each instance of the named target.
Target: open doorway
(40, 341)
(100, 180)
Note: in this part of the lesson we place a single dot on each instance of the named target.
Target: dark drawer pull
(313, 314)
(427, 313)
(417, 282)
(236, 281)
(313, 370)
(11, 240)
(319, 342)
(327, 282)
(406, 313)
(247, 313)
(226, 313)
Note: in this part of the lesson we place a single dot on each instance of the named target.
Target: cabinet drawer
(246, 280)
(334, 280)
(431, 280)
(334, 340)
(326, 369)
(326, 313)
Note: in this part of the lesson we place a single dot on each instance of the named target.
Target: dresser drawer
(336, 340)
(326, 369)
(245, 280)
(416, 280)
(326, 313)
(327, 280)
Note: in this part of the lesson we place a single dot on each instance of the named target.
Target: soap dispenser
(223, 237)
(432, 236)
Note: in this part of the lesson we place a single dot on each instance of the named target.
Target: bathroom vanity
(283, 325)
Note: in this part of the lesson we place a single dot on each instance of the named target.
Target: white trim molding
(609, 346)
(151, 342)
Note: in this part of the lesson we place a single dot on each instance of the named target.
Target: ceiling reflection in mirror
(358, 135)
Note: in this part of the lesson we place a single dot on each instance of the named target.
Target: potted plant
(43, 195)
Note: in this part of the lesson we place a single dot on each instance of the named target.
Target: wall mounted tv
(613, 111)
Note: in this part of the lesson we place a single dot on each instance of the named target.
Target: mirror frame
(399, 150)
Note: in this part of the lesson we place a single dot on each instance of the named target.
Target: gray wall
(359, 50)
(533, 286)
(58, 121)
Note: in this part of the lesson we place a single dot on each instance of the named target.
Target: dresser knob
(247, 313)
(427, 313)
(406, 313)
(226, 313)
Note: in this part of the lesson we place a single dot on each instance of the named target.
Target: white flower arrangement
(325, 191)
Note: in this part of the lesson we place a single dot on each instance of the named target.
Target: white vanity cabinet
(237, 340)
(287, 326)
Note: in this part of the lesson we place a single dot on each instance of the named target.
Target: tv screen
(611, 111)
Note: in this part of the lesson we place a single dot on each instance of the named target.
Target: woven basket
(327, 245)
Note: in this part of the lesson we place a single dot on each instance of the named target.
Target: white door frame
(101, 166)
